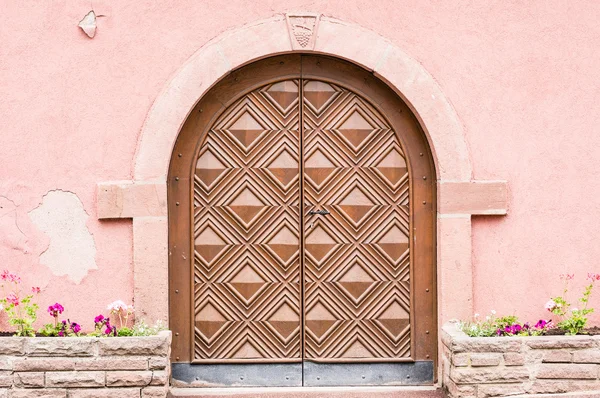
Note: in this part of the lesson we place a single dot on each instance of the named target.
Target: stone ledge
(474, 197)
(128, 199)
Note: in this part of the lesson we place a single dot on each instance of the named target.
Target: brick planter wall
(479, 367)
(85, 367)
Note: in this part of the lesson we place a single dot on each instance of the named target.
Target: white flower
(476, 315)
(117, 306)
(473, 328)
(574, 309)
(493, 312)
(487, 318)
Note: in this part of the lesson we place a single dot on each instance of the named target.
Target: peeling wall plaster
(72, 250)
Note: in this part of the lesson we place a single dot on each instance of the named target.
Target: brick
(75, 379)
(105, 393)
(514, 359)
(587, 356)
(159, 378)
(6, 363)
(488, 375)
(43, 364)
(38, 393)
(128, 378)
(562, 386)
(154, 392)
(12, 345)
(485, 359)
(460, 360)
(112, 363)
(557, 342)
(496, 390)
(6, 379)
(487, 344)
(56, 347)
(557, 356)
(570, 371)
(28, 379)
(150, 346)
(157, 363)
(454, 391)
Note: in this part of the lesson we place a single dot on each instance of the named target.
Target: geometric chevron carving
(247, 233)
(358, 255)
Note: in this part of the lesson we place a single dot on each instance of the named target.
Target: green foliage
(505, 321)
(574, 320)
(49, 330)
(142, 329)
(124, 331)
(478, 327)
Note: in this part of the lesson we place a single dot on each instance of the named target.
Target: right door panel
(357, 296)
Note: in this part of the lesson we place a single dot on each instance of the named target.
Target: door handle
(319, 212)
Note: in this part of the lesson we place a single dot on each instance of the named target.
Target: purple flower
(75, 327)
(542, 324)
(55, 309)
(99, 318)
(61, 333)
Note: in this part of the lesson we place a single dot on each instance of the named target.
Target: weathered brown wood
(369, 264)
(422, 189)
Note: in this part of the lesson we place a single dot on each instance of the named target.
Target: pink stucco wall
(522, 77)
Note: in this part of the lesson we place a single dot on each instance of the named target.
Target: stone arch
(459, 197)
(330, 36)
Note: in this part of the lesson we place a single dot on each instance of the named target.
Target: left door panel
(246, 291)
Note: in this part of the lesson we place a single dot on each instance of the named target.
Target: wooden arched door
(302, 232)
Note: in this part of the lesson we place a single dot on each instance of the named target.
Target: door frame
(419, 163)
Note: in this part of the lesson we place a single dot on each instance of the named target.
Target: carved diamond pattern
(365, 280)
(247, 233)
(246, 223)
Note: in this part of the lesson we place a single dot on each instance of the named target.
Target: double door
(303, 232)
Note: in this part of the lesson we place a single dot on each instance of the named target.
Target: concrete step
(309, 392)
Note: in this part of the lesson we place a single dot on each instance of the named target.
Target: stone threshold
(308, 392)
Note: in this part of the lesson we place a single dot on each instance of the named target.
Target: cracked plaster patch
(72, 251)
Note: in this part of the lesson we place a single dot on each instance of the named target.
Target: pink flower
(35, 289)
(593, 277)
(551, 305)
(6, 276)
(12, 299)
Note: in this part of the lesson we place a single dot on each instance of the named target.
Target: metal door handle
(319, 212)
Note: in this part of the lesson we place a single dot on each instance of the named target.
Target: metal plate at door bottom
(368, 374)
(239, 375)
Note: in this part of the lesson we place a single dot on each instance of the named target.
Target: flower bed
(85, 367)
(480, 367)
